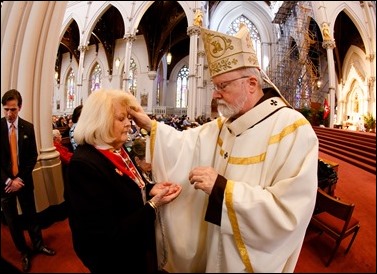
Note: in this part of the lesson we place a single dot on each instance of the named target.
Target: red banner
(326, 109)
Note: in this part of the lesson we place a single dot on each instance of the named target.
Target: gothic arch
(355, 59)
(346, 7)
(355, 107)
(258, 13)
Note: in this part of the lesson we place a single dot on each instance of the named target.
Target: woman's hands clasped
(164, 193)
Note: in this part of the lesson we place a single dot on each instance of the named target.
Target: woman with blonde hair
(111, 220)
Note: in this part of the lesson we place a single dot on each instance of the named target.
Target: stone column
(130, 38)
(372, 100)
(193, 98)
(329, 45)
(152, 74)
(80, 73)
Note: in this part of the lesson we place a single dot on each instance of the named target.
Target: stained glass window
(182, 87)
(96, 78)
(254, 33)
(70, 94)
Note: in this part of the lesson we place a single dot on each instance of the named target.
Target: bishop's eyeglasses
(223, 85)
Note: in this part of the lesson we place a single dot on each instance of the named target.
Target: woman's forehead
(120, 109)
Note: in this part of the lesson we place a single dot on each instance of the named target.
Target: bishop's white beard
(229, 111)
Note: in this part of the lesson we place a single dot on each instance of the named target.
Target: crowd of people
(163, 193)
(66, 125)
(181, 122)
(62, 123)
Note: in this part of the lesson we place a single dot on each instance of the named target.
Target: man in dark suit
(18, 182)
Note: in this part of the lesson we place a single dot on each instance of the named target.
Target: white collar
(15, 123)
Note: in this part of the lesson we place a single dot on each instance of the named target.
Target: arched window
(70, 92)
(254, 33)
(132, 85)
(95, 78)
(182, 88)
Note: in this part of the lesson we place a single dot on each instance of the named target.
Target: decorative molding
(370, 57)
(83, 48)
(152, 74)
(129, 37)
(371, 81)
(201, 53)
(329, 44)
(192, 30)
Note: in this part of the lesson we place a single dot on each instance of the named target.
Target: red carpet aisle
(58, 237)
(359, 186)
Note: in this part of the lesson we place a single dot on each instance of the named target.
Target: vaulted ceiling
(164, 27)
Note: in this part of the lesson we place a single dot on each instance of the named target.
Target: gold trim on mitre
(226, 53)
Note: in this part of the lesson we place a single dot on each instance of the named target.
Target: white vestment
(270, 163)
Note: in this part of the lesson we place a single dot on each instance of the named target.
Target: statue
(198, 18)
(326, 32)
(356, 104)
